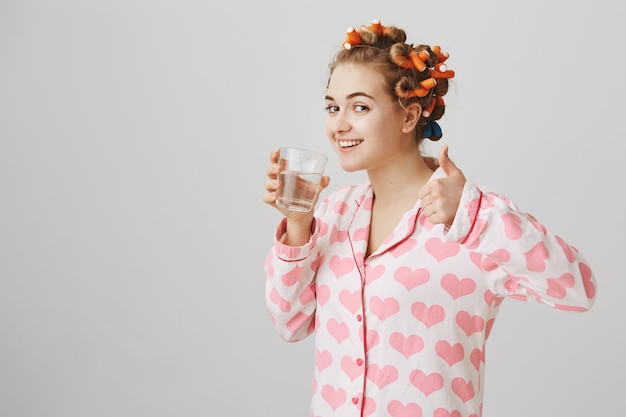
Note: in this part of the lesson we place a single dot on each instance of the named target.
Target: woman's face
(364, 123)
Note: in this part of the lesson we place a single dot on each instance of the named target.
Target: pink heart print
(334, 397)
(406, 345)
(372, 273)
(337, 235)
(456, 287)
(338, 330)
(463, 389)
(369, 406)
(427, 383)
(308, 295)
(292, 277)
(283, 304)
(411, 278)
(428, 315)
(323, 359)
(536, 257)
(450, 353)
(442, 412)
(441, 250)
(352, 368)
(362, 233)
(512, 226)
(350, 300)
(297, 321)
(323, 294)
(476, 356)
(341, 208)
(371, 339)
(585, 271)
(397, 409)
(341, 267)
(469, 324)
(557, 287)
(383, 309)
(382, 376)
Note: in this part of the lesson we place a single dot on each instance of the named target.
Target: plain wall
(134, 137)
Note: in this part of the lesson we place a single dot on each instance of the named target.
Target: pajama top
(402, 332)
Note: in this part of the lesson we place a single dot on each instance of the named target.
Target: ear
(412, 115)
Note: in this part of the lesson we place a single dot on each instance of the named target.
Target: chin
(350, 167)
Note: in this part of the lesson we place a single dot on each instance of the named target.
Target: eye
(360, 108)
(330, 109)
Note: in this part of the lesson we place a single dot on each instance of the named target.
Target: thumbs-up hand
(441, 197)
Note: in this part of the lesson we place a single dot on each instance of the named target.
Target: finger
(274, 156)
(273, 170)
(445, 162)
(270, 198)
(429, 212)
(324, 182)
(272, 185)
(424, 191)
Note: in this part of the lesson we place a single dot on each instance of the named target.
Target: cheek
(329, 130)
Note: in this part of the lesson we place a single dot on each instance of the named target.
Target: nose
(337, 123)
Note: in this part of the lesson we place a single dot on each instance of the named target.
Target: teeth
(348, 143)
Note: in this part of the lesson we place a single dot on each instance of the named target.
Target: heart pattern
(429, 315)
(407, 345)
(382, 376)
(411, 278)
(457, 287)
(402, 332)
(427, 383)
(397, 409)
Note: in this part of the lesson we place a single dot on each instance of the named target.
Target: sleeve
(519, 257)
(290, 285)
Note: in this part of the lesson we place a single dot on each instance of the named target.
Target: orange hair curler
(417, 59)
(436, 101)
(401, 61)
(442, 71)
(426, 85)
(377, 28)
(353, 37)
(442, 55)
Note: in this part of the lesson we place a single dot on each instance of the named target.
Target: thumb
(445, 162)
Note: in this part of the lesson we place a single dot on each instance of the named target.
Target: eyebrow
(353, 95)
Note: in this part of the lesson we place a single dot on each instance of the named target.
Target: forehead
(347, 79)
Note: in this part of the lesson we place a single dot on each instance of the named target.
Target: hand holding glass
(300, 176)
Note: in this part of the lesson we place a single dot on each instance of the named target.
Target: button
(359, 362)
(359, 317)
(355, 400)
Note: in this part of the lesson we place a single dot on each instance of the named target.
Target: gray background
(134, 136)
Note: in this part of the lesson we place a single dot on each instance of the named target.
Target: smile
(349, 143)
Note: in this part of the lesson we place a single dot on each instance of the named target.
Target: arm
(520, 257)
(290, 285)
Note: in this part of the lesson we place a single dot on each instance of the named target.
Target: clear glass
(300, 175)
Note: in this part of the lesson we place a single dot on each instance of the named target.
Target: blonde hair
(384, 49)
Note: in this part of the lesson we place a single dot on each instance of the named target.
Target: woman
(400, 278)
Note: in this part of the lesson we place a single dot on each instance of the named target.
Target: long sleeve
(520, 258)
(290, 286)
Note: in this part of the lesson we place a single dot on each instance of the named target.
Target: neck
(404, 178)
